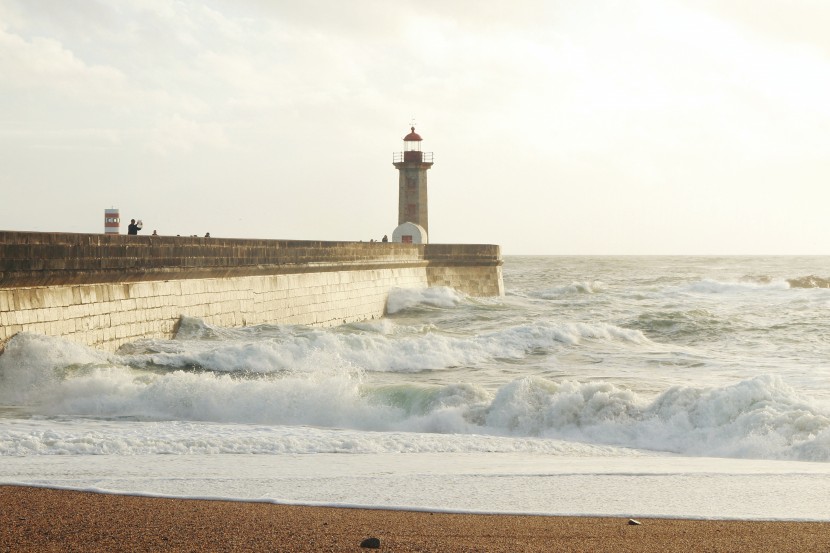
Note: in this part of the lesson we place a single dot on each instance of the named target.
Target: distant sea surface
(633, 386)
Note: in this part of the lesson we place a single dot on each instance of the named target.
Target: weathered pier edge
(107, 290)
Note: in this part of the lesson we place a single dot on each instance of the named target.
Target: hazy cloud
(558, 127)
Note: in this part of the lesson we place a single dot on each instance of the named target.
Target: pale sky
(558, 127)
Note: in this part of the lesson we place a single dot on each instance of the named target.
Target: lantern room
(412, 146)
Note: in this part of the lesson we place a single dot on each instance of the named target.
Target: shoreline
(49, 519)
(407, 509)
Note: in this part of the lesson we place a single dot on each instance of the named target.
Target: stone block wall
(109, 315)
(473, 281)
(105, 291)
(473, 269)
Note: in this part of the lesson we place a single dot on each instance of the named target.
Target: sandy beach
(41, 519)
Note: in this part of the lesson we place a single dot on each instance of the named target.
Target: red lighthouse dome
(413, 136)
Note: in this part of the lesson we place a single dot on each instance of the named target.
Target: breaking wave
(760, 417)
(403, 299)
(575, 288)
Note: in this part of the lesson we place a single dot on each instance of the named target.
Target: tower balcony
(412, 157)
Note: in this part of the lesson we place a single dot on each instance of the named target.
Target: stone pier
(107, 290)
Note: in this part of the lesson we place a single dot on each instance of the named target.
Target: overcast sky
(558, 127)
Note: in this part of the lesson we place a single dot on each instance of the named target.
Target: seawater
(633, 386)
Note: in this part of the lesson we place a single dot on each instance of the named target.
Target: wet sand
(41, 519)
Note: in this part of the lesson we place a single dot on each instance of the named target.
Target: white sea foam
(709, 286)
(125, 437)
(586, 287)
(480, 482)
(757, 418)
(31, 361)
(378, 346)
(401, 299)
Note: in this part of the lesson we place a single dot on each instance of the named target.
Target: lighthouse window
(410, 182)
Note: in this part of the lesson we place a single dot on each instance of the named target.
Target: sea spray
(401, 299)
(761, 417)
(372, 347)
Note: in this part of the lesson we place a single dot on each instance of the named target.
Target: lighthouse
(412, 165)
(112, 221)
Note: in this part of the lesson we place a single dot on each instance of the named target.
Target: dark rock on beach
(370, 543)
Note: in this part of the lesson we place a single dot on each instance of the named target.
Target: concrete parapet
(41, 259)
(463, 254)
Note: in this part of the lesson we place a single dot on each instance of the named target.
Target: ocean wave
(404, 299)
(372, 346)
(708, 286)
(698, 323)
(757, 418)
(754, 283)
(575, 288)
(546, 334)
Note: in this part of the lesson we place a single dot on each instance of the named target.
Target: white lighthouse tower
(413, 216)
